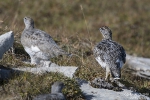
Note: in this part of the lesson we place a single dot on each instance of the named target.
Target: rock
(56, 93)
(66, 70)
(101, 83)
(91, 93)
(6, 42)
(139, 66)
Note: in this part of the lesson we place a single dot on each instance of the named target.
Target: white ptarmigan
(39, 44)
(109, 54)
(56, 93)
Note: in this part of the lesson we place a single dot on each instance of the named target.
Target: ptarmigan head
(106, 32)
(29, 23)
(57, 87)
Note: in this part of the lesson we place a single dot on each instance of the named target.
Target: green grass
(76, 30)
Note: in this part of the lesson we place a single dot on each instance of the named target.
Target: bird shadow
(8, 73)
(87, 96)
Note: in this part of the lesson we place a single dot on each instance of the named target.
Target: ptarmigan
(109, 54)
(55, 94)
(38, 44)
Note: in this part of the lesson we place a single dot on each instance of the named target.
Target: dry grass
(76, 31)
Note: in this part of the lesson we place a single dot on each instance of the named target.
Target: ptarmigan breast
(108, 51)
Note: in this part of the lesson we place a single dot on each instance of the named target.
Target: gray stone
(91, 93)
(101, 83)
(56, 93)
(65, 70)
(140, 66)
(6, 42)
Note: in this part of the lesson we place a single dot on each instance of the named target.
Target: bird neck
(107, 38)
(29, 26)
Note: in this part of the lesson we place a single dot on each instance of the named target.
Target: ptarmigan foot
(111, 79)
(44, 64)
(34, 60)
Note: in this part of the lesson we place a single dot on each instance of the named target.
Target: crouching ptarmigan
(109, 54)
(38, 44)
(55, 94)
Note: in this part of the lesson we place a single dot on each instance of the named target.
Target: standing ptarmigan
(109, 54)
(38, 44)
(55, 94)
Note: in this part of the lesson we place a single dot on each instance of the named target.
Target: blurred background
(128, 20)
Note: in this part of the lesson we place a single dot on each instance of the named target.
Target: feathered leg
(107, 72)
(34, 60)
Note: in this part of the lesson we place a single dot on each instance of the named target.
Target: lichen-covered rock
(101, 83)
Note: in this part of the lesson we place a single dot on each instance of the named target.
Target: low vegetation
(74, 25)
